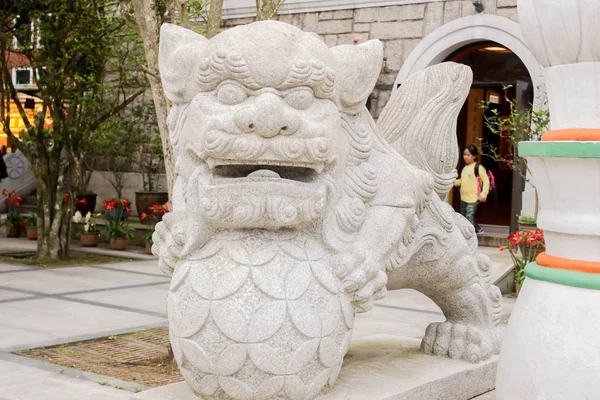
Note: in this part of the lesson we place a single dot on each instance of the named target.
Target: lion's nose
(267, 117)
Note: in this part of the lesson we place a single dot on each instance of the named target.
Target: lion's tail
(419, 121)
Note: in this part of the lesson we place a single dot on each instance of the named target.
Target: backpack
(490, 177)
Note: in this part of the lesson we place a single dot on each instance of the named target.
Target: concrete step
(493, 236)
(492, 239)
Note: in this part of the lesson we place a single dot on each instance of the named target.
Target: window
(22, 77)
(26, 32)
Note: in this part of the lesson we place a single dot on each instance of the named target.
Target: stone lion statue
(291, 211)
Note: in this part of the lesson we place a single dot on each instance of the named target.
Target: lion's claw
(457, 341)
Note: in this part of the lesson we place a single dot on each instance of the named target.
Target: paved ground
(44, 306)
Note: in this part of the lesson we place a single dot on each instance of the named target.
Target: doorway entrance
(499, 76)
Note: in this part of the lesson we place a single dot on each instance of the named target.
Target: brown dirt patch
(75, 258)
(140, 357)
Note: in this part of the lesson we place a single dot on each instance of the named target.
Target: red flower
(155, 208)
(82, 201)
(66, 197)
(539, 235)
(124, 202)
(143, 216)
(110, 205)
(502, 248)
(165, 208)
(128, 210)
(4, 192)
(22, 223)
(530, 238)
(516, 238)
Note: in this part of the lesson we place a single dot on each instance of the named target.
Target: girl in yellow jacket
(472, 190)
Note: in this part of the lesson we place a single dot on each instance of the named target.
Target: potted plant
(114, 208)
(155, 214)
(527, 223)
(31, 226)
(14, 220)
(524, 247)
(521, 124)
(117, 230)
(152, 165)
(85, 202)
(89, 236)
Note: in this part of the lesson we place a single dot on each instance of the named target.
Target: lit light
(496, 49)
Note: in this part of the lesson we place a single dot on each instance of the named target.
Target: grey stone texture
(292, 211)
(406, 23)
(384, 367)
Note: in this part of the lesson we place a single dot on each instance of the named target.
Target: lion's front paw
(366, 284)
(458, 341)
(168, 243)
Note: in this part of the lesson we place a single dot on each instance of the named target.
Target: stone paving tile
(67, 279)
(45, 385)
(26, 323)
(7, 295)
(149, 298)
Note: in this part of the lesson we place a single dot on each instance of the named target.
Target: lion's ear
(179, 52)
(358, 67)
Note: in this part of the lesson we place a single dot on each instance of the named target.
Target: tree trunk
(215, 15)
(54, 222)
(267, 9)
(148, 29)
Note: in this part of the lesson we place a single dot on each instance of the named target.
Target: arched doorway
(499, 76)
(447, 42)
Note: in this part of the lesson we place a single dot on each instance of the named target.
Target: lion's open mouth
(288, 172)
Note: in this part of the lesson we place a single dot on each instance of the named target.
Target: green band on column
(572, 149)
(562, 277)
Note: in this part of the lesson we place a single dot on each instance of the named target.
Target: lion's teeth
(264, 173)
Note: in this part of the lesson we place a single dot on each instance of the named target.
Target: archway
(499, 79)
(454, 40)
(445, 40)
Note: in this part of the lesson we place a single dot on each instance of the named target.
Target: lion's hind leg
(472, 308)
(459, 283)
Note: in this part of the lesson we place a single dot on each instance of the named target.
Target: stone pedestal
(551, 348)
(384, 367)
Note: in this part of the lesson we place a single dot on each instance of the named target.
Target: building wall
(399, 27)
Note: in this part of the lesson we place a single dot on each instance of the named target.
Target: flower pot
(527, 226)
(13, 231)
(118, 244)
(32, 232)
(85, 203)
(89, 239)
(143, 201)
(148, 248)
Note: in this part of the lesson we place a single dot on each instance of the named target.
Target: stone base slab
(384, 367)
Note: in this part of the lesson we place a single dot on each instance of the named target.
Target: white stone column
(551, 348)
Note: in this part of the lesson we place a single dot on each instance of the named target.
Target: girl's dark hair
(473, 150)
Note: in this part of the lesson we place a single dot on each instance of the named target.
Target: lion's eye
(231, 94)
(300, 99)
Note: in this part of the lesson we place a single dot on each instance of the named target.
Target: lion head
(263, 124)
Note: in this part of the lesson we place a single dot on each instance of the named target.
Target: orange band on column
(588, 267)
(584, 135)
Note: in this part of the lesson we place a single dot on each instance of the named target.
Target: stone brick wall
(400, 28)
